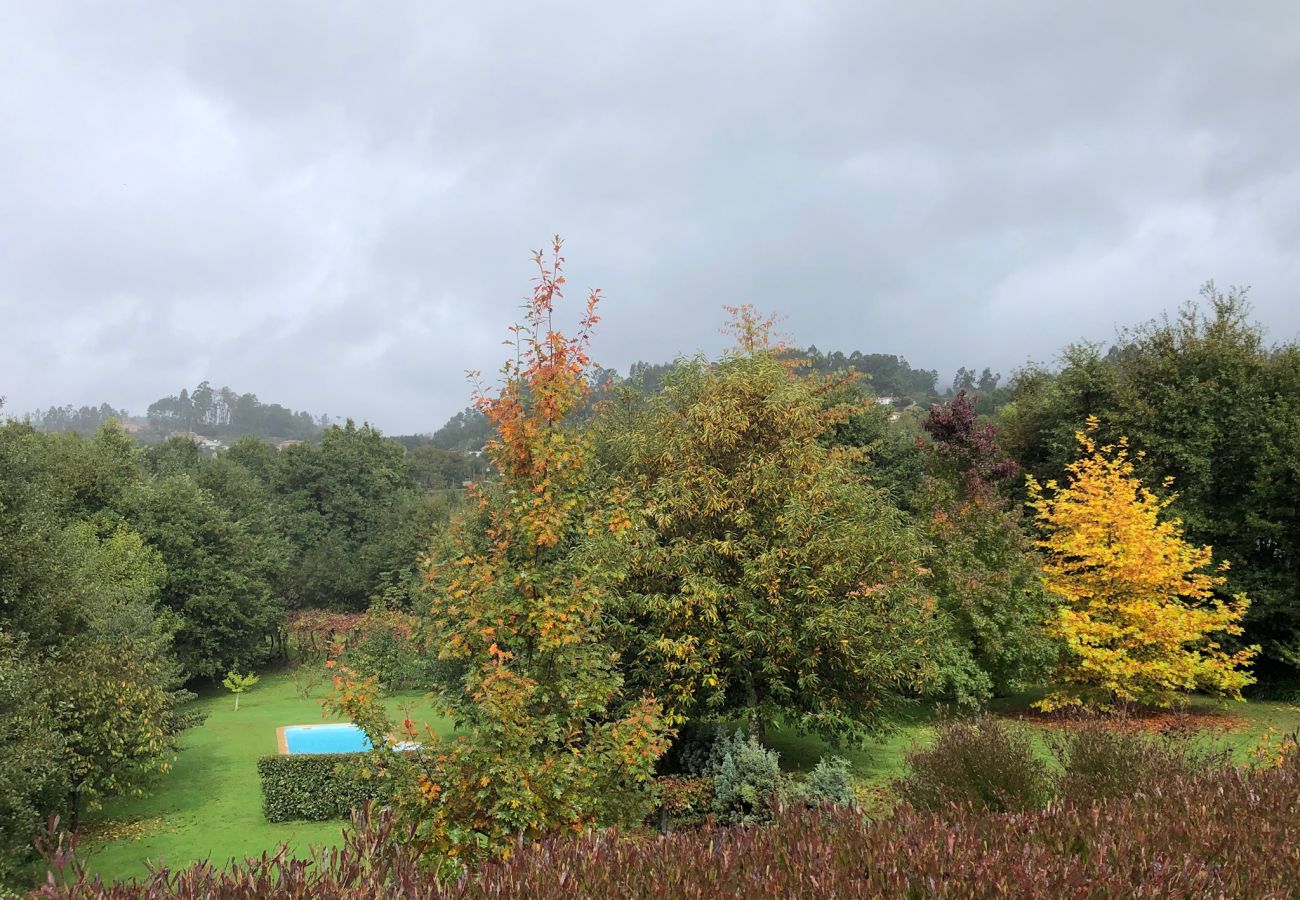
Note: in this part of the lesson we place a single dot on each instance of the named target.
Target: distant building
(283, 444)
(207, 444)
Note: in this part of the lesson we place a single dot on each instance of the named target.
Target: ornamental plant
(1139, 619)
(518, 619)
(238, 684)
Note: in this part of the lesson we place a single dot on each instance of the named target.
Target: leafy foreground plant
(1227, 833)
(552, 741)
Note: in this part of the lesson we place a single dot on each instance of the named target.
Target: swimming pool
(337, 738)
(334, 738)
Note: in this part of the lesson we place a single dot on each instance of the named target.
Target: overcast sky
(332, 205)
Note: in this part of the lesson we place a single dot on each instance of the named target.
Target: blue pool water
(345, 738)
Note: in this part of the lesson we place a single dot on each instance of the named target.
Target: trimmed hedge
(313, 786)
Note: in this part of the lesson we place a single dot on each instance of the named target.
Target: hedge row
(313, 786)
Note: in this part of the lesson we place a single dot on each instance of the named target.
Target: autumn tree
(1139, 619)
(1216, 406)
(983, 567)
(519, 612)
(765, 576)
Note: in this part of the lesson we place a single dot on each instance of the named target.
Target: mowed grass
(209, 806)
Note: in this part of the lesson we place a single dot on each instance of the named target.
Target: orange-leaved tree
(517, 617)
(1139, 620)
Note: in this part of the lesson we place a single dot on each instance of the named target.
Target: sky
(333, 205)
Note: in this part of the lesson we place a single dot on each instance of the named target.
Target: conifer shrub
(748, 783)
(830, 783)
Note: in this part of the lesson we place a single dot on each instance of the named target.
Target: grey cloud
(332, 205)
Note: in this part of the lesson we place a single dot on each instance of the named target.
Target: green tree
(982, 565)
(336, 497)
(238, 684)
(764, 573)
(113, 709)
(217, 581)
(33, 779)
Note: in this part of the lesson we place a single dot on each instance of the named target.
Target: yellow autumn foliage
(1139, 620)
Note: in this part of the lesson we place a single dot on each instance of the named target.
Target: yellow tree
(1138, 621)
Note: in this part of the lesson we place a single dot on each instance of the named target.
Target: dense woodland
(753, 539)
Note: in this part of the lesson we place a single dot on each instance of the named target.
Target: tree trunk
(756, 729)
(74, 809)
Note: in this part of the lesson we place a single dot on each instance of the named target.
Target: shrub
(1178, 842)
(682, 801)
(747, 780)
(1103, 762)
(983, 763)
(830, 783)
(314, 786)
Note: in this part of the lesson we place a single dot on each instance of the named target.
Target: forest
(645, 580)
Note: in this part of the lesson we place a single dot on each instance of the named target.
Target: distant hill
(221, 412)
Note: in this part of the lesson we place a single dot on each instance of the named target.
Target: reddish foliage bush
(1230, 833)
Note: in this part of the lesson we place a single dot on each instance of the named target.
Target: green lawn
(209, 805)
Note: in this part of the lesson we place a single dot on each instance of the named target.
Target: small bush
(1103, 762)
(747, 780)
(314, 786)
(683, 801)
(984, 764)
(829, 783)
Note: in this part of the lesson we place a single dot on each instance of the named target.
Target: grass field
(209, 805)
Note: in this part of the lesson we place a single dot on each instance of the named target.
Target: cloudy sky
(332, 205)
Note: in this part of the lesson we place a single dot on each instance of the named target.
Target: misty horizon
(336, 210)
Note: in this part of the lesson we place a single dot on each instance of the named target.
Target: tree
(218, 573)
(1216, 408)
(1139, 620)
(113, 710)
(32, 760)
(764, 575)
(518, 611)
(238, 684)
(982, 567)
(335, 497)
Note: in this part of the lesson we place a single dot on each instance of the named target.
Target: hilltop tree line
(880, 374)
